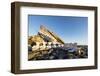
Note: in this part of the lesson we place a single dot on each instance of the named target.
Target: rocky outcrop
(43, 38)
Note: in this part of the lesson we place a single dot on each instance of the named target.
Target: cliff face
(35, 38)
(44, 35)
(52, 35)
